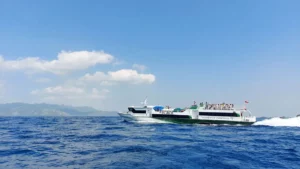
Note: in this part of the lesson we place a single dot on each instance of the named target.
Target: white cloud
(67, 61)
(43, 80)
(123, 75)
(139, 67)
(70, 92)
(74, 90)
(107, 83)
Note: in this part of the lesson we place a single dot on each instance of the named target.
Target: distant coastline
(44, 109)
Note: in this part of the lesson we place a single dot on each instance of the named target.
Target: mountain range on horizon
(44, 109)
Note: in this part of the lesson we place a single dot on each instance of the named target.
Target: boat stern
(250, 119)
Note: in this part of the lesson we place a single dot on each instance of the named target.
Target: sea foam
(277, 121)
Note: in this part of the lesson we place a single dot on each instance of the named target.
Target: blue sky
(215, 51)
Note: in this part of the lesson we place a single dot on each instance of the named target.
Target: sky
(112, 54)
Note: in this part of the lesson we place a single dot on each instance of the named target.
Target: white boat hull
(140, 119)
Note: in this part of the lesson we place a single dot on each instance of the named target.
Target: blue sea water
(109, 142)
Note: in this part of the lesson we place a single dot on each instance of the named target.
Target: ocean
(111, 143)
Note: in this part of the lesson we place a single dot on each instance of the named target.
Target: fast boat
(203, 113)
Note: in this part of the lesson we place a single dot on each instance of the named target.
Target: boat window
(171, 116)
(136, 111)
(218, 114)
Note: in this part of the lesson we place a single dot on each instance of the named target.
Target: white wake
(276, 121)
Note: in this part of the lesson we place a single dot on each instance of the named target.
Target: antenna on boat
(246, 102)
(144, 102)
